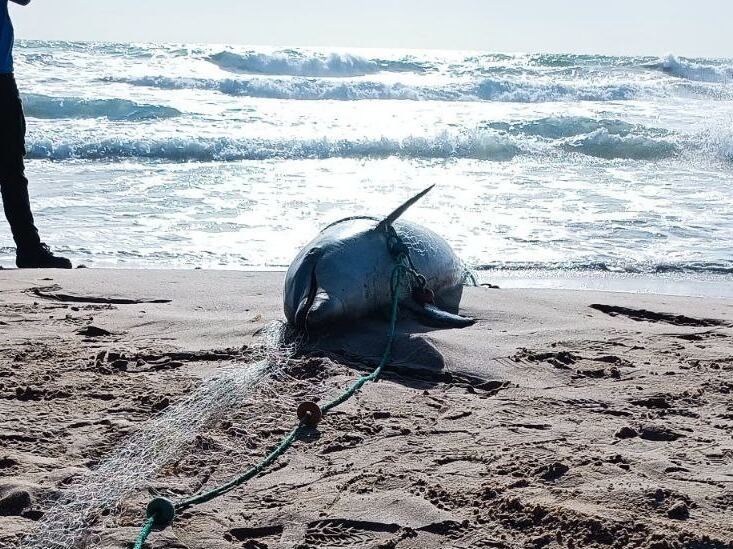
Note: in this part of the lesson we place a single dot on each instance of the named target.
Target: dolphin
(344, 274)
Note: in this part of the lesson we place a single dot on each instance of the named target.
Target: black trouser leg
(13, 183)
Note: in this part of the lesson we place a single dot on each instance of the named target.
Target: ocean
(218, 156)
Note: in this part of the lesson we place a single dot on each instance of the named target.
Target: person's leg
(31, 252)
(13, 183)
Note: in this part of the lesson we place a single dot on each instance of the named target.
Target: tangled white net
(137, 461)
(421, 245)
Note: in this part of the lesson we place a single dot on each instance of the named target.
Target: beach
(571, 172)
(562, 418)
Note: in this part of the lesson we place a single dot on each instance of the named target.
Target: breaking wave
(354, 90)
(558, 127)
(601, 138)
(43, 106)
(302, 89)
(606, 139)
(603, 144)
(476, 145)
(717, 141)
(527, 92)
(297, 63)
(689, 70)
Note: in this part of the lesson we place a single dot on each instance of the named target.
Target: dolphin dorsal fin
(391, 218)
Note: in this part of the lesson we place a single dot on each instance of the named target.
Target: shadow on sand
(416, 359)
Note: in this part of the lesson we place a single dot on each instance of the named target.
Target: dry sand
(561, 419)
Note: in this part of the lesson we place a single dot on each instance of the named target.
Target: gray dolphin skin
(344, 274)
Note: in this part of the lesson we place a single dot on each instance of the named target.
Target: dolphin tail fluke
(391, 218)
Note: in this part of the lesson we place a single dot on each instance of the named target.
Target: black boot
(40, 257)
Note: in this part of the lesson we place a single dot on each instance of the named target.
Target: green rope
(402, 268)
(144, 533)
(281, 448)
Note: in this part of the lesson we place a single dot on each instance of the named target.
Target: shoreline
(714, 285)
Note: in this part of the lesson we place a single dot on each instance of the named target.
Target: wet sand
(561, 419)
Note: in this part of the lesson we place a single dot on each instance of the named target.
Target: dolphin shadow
(415, 360)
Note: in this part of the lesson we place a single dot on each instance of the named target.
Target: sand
(561, 419)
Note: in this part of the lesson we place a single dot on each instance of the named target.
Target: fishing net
(421, 243)
(137, 462)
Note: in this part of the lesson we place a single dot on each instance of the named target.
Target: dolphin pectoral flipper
(324, 309)
(300, 292)
(430, 315)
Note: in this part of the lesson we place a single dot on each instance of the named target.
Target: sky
(633, 27)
